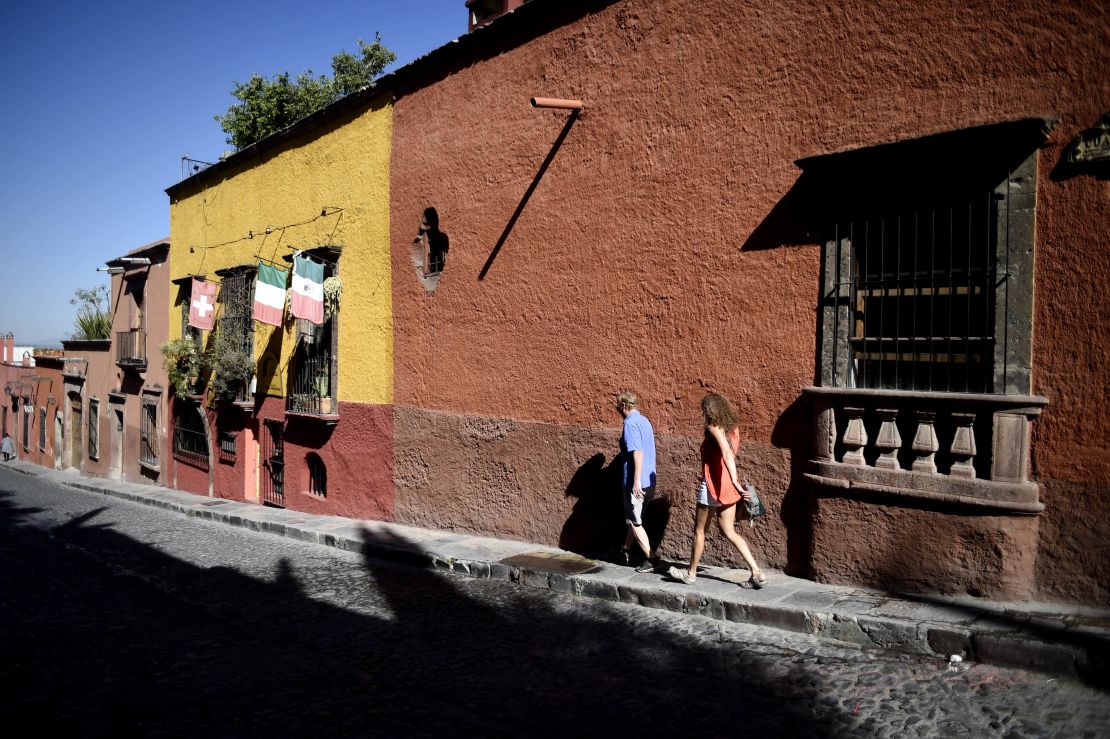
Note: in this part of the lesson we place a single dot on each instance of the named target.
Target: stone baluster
(963, 445)
(889, 440)
(925, 443)
(855, 437)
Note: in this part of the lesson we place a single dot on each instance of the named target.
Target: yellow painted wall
(345, 165)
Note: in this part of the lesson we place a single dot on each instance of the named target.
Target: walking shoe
(681, 575)
(648, 565)
(755, 583)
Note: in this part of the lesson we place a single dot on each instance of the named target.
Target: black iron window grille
(317, 476)
(227, 446)
(927, 268)
(148, 433)
(312, 373)
(920, 292)
(94, 428)
(273, 462)
(190, 438)
(237, 298)
(42, 429)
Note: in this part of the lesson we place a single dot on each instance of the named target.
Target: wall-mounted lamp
(111, 270)
(250, 234)
(559, 103)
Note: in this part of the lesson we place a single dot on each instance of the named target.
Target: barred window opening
(928, 259)
(148, 433)
(190, 437)
(94, 428)
(317, 475)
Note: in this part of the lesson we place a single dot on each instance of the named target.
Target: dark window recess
(312, 372)
(317, 476)
(273, 459)
(312, 376)
(42, 429)
(27, 430)
(921, 290)
(227, 446)
(429, 250)
(190, 439)
(237, 297)
(94, 429)
(927, 265)
(148, 434)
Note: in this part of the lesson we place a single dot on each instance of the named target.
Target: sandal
(755, 583)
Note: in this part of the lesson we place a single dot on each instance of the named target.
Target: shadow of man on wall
(596, 527)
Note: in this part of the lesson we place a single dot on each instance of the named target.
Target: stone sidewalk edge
(1084, 656)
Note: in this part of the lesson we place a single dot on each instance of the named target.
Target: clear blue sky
(103, 99)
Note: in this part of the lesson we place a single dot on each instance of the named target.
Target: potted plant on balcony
(183, 363)
(321, 383)
(231, 372)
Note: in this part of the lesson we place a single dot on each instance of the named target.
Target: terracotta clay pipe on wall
(556, 103)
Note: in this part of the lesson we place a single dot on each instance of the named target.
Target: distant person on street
(7, 448)
(719, 490)
(638, 459)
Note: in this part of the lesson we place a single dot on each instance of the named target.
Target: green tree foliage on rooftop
(93, 320)
(266, 106)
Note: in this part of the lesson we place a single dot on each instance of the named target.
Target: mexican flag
(269, 294)
(308, 289)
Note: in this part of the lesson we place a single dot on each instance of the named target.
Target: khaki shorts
(634, 509)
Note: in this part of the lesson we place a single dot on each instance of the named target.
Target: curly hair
(627, 400)
(717, 411)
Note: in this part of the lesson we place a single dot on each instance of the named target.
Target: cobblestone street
(123, 620)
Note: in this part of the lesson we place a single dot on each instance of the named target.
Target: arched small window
(317, 475)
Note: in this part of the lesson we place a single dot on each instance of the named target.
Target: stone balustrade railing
(966, 449)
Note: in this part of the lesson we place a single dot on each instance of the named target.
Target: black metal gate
(273, 459)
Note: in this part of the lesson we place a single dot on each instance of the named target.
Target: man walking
(638, 458)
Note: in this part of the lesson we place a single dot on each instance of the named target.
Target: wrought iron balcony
(131, 348)
(962, 448)
(311, 388)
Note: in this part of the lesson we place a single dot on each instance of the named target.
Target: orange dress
(716, 472)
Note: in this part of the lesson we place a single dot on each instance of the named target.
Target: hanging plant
(333, 291)
(232, 369)
(183, 363)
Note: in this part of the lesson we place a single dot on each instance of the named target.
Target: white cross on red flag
(202, 305)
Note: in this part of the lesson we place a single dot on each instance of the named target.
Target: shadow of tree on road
(107, 636)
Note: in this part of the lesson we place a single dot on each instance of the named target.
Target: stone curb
(868, 619)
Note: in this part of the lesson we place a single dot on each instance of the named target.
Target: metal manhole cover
(564, 562)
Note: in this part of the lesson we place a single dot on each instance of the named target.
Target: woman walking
(719, 490)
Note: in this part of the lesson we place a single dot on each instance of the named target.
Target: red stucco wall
(652, 256)
(357, 453)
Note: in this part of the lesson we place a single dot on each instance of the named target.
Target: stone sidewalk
(1058, 639)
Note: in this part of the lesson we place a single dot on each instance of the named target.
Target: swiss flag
(202, 305)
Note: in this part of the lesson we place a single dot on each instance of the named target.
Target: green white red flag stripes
(308, 289)
(269, 294)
